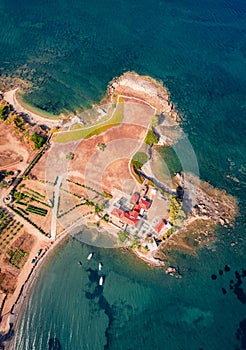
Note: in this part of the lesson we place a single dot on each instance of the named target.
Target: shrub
(4, 112)
(122, 236)
(38, 140)
(101, 146)
(70, 156)
(107, 195)
(151, 138)
(98, 208)
(174, 207)
(139, 159)
(19, 121)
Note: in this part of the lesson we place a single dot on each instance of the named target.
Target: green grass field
(151, 138)
(87, 132)
(139, 159)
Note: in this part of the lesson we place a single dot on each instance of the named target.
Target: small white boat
(100, 265)
(101, 281)
(90, 256)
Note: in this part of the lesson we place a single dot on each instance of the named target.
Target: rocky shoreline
(203, 202)
(144, 88)
(211, 205)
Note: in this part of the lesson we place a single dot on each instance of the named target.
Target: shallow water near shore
(70, 53)
(137, 307)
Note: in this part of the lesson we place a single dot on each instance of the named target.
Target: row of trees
(9, 227)
(17, 211)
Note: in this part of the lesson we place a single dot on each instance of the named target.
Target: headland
(99, 169)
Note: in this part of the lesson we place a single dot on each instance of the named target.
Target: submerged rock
(224, 291)
(173, 271)
(227, 268)
(54, 344)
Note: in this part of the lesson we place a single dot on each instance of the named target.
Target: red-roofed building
(162, 227)
(135, 198)
(130, 220)
(134, 213)
(117, 212)
(116, 218)
(120, 217)
(137, 208)
(159, 226)
(144, 204)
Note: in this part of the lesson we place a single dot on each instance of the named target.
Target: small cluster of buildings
(132, 217)
(141, 215)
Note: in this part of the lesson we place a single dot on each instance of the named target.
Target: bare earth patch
(90, 164)
(12, 151)
(117, 175)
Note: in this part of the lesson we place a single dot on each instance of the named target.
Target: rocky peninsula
(106, 176)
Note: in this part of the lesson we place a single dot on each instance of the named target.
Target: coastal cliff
(144, 88)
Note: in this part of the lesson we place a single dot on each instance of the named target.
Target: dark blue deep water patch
(241, 335)
(54, 344)
(69, 51)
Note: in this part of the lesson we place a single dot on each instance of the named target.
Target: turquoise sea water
(69, 51)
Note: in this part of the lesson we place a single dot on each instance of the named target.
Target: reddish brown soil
(13, 152)
(116, 175)
(117, 140)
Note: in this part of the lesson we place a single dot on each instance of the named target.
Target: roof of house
(137, 208)
(134, 213)
(117, 212)
(135, 198)
(129, 219)
(159, 226)
(145, 204)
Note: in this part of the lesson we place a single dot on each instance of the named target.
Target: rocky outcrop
(144, 88)
(173, 271)
(212, 203)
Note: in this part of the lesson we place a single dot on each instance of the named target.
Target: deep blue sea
(69, 51)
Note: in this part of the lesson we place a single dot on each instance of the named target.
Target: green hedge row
(88, 188)
(30, 221)
(37, 210)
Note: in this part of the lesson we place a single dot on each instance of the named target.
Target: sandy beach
(12, 98)
(41, 242)
(16, 304)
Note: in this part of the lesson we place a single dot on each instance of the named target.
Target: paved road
(55, 207)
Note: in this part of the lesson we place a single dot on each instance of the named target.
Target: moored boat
(100, 281)
(100, 265)
(90, 256)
